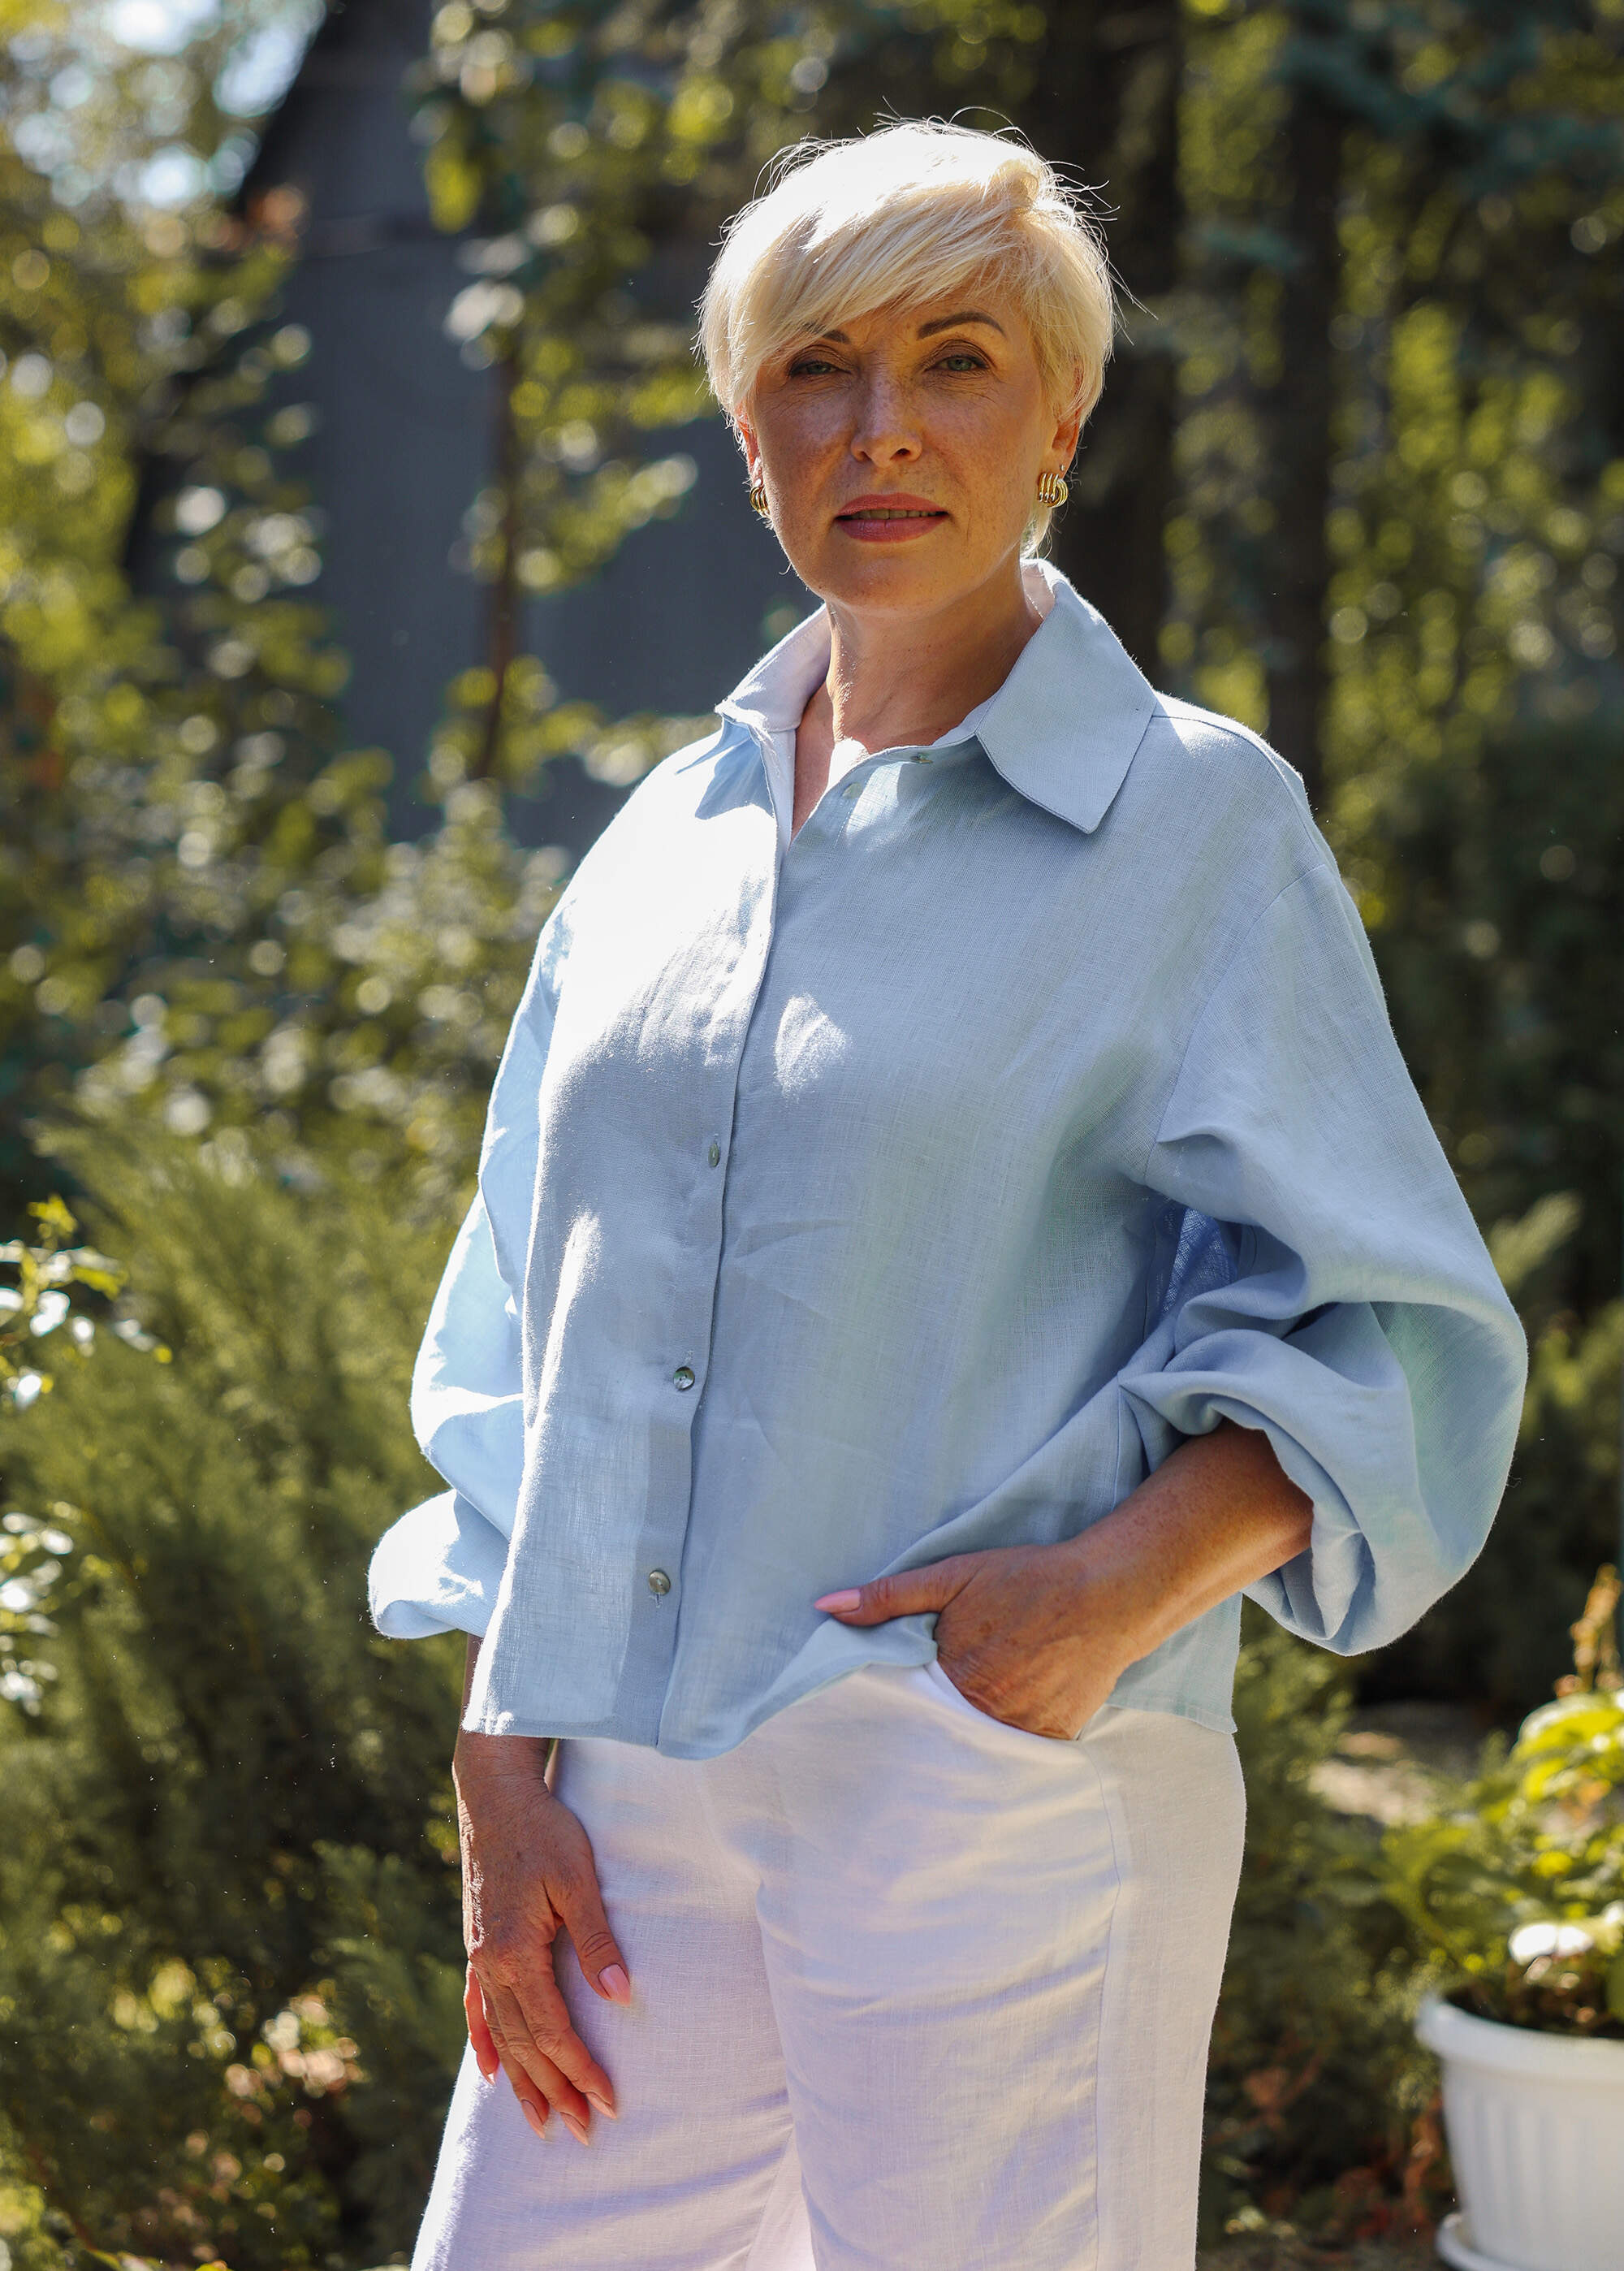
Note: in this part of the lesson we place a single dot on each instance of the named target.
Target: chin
(888, 578)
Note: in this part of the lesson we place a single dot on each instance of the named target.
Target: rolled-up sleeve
(438, 1567)
(1345, 1303)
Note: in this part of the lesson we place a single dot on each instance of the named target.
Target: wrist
(481, 1761)
(1115, 1605)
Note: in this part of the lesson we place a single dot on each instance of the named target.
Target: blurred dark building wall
(401, 441)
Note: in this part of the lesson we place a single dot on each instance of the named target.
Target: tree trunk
(1298, 412)
(501, 613)
(1105, 107)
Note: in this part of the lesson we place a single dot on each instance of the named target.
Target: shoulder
(696, 756)
(1214, 795)
(636, 847)
(1212, 739)
(678, 785)
(1228, 761)
(676, 779)
(674, 787)
(1213, 841)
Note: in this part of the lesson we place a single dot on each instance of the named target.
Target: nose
(886, 431)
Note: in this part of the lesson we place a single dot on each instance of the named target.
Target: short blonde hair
(909, 213)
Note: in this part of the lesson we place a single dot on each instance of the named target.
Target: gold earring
(1052, 489)
(758, 497)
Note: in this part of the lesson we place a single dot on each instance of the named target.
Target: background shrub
(230, 1958)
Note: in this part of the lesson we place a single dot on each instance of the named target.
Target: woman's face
(901, 451)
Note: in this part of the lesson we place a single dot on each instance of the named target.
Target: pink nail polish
(615, 1984)
(577, 2129)
(603, 2104)
(532, 2116)
(838, 1603)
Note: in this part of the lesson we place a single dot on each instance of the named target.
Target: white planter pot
(1536, 2129)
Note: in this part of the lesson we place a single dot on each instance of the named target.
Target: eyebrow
(929, 330)
(950, 322)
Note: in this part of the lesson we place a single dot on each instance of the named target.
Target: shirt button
(683, 1377)
(659, 1583)
(713, 1152)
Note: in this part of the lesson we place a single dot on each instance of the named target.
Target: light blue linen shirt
(914, 1186)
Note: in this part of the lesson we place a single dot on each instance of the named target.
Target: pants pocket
(944, 1689)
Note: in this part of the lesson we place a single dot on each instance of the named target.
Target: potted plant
(1518, 1887)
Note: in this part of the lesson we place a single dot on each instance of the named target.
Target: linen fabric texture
(916, 1186)
(911, 1988)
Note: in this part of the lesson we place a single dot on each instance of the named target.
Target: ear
(748, 443)
(1067, 434)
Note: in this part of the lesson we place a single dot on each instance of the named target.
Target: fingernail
(615, 1984)
(603, 2104)
(838, 1603)
(577, 2129)
(532, 2116)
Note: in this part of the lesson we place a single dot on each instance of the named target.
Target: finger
(533, 2024)
(547, 2023)
(536, 2108)
(539, 2083)
(478, 2028)
(534, 2101)
(581, 1905)
(905, 1595)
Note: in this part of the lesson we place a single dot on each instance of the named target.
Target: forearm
(478, 1755)
(1214, 1518)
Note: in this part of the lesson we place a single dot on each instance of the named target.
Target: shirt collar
(1062, 730)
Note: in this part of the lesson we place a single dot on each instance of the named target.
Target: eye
(958, 359)
(808, 366)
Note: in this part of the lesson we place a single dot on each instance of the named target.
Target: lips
(891, 506)
(889, 519)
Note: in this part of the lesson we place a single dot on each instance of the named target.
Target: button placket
(693, 1316)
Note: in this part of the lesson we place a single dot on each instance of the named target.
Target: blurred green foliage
(1503, 948)
(42, 1302)
(1358, 478)
(1318, 2096)
(230, 1968)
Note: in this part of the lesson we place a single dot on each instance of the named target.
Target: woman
(951, 1218)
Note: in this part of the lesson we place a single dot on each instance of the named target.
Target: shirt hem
(1214, 1717)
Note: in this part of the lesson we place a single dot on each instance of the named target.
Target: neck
(895, 680)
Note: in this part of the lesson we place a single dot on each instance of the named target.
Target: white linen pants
(912, 1991)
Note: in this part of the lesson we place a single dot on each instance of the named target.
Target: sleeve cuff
(1342, 1432)
(436, 1570)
